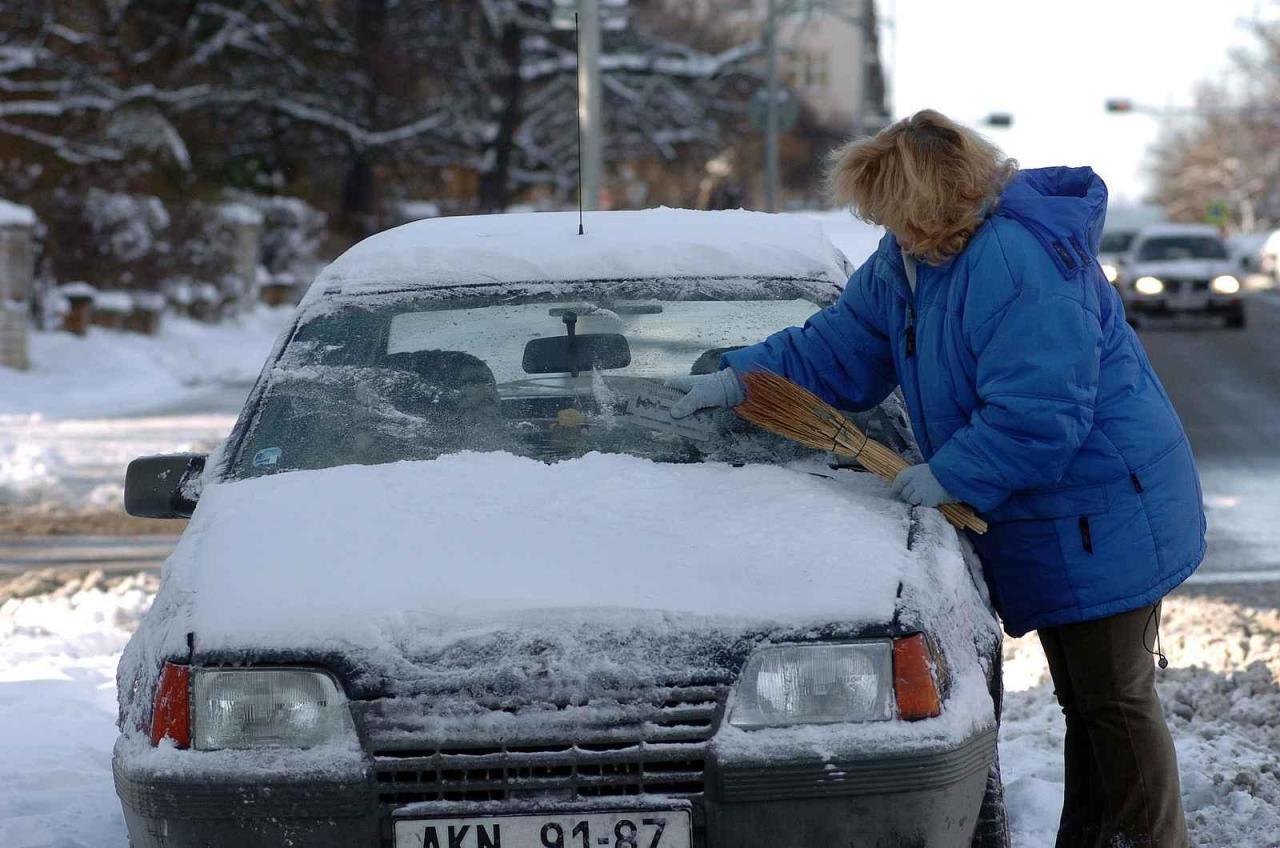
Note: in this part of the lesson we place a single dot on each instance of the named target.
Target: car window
(414, 380)
(1166, 248)
(1116, 242)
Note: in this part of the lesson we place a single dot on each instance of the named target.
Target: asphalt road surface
(1225, 385)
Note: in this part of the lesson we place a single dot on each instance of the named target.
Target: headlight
(1148, 285)
(815, 684)
(1226, 284)
(267, 707)
(1110, 272)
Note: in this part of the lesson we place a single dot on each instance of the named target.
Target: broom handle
(962, 515)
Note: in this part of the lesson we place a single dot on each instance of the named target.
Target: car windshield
(1163, 248)
(1116, 242)
(364, 384)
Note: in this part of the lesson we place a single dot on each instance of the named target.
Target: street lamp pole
(590, 102)
(771, 109)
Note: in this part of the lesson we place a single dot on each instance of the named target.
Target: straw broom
(780, 406)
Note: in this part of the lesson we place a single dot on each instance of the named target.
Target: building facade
(829, 54)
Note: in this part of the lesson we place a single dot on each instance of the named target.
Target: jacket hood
(1064, 208)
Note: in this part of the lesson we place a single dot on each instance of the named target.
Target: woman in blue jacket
(1033, 401)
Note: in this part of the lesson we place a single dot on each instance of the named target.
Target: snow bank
(57, 712)
(1221, 695)
(546, 247)
(13, 215)
(81, 462)
(479, 537)
(115, 373)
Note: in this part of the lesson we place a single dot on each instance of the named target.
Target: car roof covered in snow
(544, 247)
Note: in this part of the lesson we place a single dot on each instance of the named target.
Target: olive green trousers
(1121, 770)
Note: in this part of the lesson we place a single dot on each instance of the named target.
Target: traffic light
(1119, 105)
(999, 119)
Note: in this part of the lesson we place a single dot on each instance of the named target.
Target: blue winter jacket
(1031, 398)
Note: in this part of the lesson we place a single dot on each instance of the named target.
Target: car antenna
(577, 52)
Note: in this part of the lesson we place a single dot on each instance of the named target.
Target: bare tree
(1226, 152)
(338, 98)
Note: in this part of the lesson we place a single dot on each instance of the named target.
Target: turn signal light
(915, 685)
(171, 710)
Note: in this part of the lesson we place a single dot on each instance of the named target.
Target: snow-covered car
(1180, 269)
(457, 579)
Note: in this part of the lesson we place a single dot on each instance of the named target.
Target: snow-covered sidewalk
(70, 425)
(58, 653)
(114, 373)
(81, 462)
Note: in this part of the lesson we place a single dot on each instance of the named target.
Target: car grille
(1176, 286)
(660, 749)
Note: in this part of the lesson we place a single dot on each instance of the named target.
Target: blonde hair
(926, 179)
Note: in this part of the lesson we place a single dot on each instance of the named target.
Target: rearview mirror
(163, 486)
(573, 354)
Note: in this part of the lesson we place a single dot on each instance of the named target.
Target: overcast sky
(1052, 64)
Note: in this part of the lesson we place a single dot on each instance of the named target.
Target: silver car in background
(1172, 270)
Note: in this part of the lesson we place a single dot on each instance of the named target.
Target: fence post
(241, 281)
(17, 272)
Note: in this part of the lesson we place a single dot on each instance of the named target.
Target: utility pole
(590, 102)
(771, 109)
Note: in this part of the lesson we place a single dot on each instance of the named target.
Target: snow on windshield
(407, 379)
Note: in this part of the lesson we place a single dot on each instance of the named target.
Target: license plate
(1190, 302)
(650, 829)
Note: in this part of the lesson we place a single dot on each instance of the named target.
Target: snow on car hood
(356, 552)
(474, 595)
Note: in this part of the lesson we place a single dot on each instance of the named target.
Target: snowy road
(1226, 387)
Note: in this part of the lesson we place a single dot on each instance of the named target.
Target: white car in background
(1171, 270)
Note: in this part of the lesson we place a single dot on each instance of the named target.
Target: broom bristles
(793, 412)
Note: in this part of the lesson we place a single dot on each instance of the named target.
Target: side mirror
(163, 486)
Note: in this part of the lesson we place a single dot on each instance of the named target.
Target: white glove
(917, 485)
(705, 391)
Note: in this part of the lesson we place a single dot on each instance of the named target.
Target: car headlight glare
(264, 708)
(1110, 272)
(815, 684)
(1226, 284)
(1148, 285)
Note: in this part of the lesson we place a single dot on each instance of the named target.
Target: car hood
(482, 595)
(359, 554)
(1180, 268)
